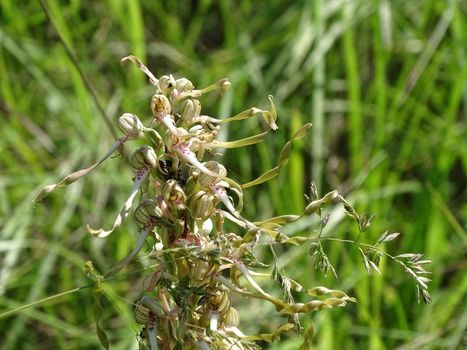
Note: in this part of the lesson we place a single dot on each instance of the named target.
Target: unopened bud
(184, 85)
(190, 110)
(199, 270)
(220, 302)
(205, 180)
(130, 125)
(232, 318)
(147, 211)
(144, 157)
(201, 205)
(160, 105)
(142, 313)
(88, 268)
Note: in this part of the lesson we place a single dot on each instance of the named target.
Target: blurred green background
(384, 83)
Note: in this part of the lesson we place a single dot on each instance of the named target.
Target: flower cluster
(183, 205)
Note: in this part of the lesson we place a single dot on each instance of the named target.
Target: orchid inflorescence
(183, 205)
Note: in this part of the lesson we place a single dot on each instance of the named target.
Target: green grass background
(383, 82)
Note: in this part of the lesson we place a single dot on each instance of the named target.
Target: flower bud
(166, 83)
(147, 211)
(220, 302)
(130, 125)
(199, 270)
(184, 85)
(145, 307)
(143, 157)
(190, 109)
(201, 205)
(160, 105)
(231, 318)
(205, 180)
(142, 314)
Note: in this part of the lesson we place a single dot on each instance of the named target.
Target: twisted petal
(279, 304)
(265, 337)
(78, 174)
(152, 79)
(283, 158)
(269, 116)
(126, 207)
(238, 143)
(222, 84)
